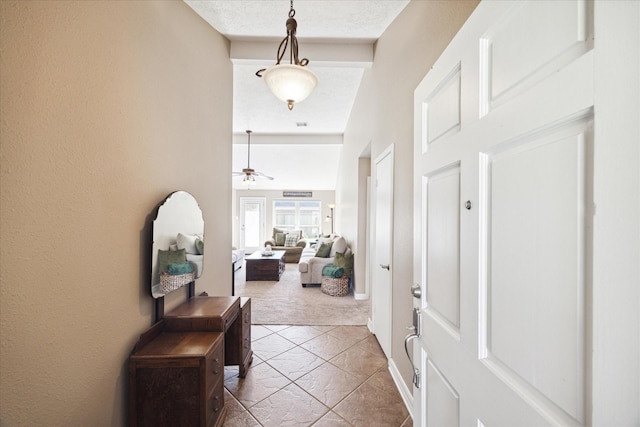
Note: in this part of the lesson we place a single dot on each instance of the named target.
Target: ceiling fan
(249, 175)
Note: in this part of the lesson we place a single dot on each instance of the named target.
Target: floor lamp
(330, 216)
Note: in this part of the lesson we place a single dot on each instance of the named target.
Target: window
(298, 215)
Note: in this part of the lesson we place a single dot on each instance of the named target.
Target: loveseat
(291, 242)
(310, 265)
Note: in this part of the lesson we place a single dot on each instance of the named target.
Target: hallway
(314, 375)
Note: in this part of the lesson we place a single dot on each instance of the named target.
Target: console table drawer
(204, 314)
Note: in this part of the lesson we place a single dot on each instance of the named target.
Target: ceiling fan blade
(260, 174)
(237, 173)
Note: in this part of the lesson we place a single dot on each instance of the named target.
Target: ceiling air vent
(302, 124)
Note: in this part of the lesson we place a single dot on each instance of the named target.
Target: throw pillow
(291, 240)
(187, 242)
(323, 250)
(170, 257)
(339, 245)
(181, 268)
(280, 239)
(200, 246)
(345, 261)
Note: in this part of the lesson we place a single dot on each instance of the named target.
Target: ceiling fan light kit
(291, 82)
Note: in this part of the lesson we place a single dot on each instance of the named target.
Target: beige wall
(383, 115)
(325, 196)
(106, 108)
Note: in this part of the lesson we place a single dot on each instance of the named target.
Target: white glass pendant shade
(290, 83)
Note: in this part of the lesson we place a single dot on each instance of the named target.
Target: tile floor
(314, 376)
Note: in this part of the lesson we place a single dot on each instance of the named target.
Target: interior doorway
(252, 223)
(382, 240)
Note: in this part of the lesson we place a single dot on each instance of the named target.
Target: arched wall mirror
(177, 255)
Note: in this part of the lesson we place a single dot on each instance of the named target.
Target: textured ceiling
(337, 37)
(363, 20)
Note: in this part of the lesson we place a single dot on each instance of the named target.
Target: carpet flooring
(287, 303)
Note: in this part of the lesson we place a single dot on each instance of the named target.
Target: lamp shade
(289, 82)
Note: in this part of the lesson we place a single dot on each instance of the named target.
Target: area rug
(287, 303)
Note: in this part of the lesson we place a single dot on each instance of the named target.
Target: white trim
(405, 393)
(362, 296)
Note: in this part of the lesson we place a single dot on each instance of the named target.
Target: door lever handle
(416, 371)
(385, 266)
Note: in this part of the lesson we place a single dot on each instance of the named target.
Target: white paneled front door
(504, 190)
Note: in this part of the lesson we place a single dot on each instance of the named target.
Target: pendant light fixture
(291, 82)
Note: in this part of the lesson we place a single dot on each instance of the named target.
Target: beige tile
(326, 346)
(369, 406)
(408, 422)
(358, 362)
(300, 334)
(259, 331)
(382, 380)
(296, 362)
(324, 328)
(328, 384)
(261, 381)
(276, 328)
(290, 406)
(271, 345)
(256, 360)
(356, 333)
(231, 372)
(232, 405)
(244, 419)
(331, 419)
(371, 345)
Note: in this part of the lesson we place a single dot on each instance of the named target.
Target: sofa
(310, 265)
(291, 242)
(237, 258)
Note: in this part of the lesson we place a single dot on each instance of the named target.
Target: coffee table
(261, 267)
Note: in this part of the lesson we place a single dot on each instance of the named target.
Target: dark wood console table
(176, 370)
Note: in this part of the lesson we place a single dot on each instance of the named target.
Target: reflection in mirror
(177, 254)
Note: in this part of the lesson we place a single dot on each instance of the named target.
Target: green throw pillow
(280, 239)
(181, 268)
(170, 257)
(200, 246)
(344, 261)
(324, 250)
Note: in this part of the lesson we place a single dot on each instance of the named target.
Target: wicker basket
(169, 283)
(336, 287)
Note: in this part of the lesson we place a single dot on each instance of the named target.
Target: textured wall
(106, 108)
(383, 115)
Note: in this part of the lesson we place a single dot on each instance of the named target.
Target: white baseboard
(370, 325)
(363, 296)
(405, 392)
